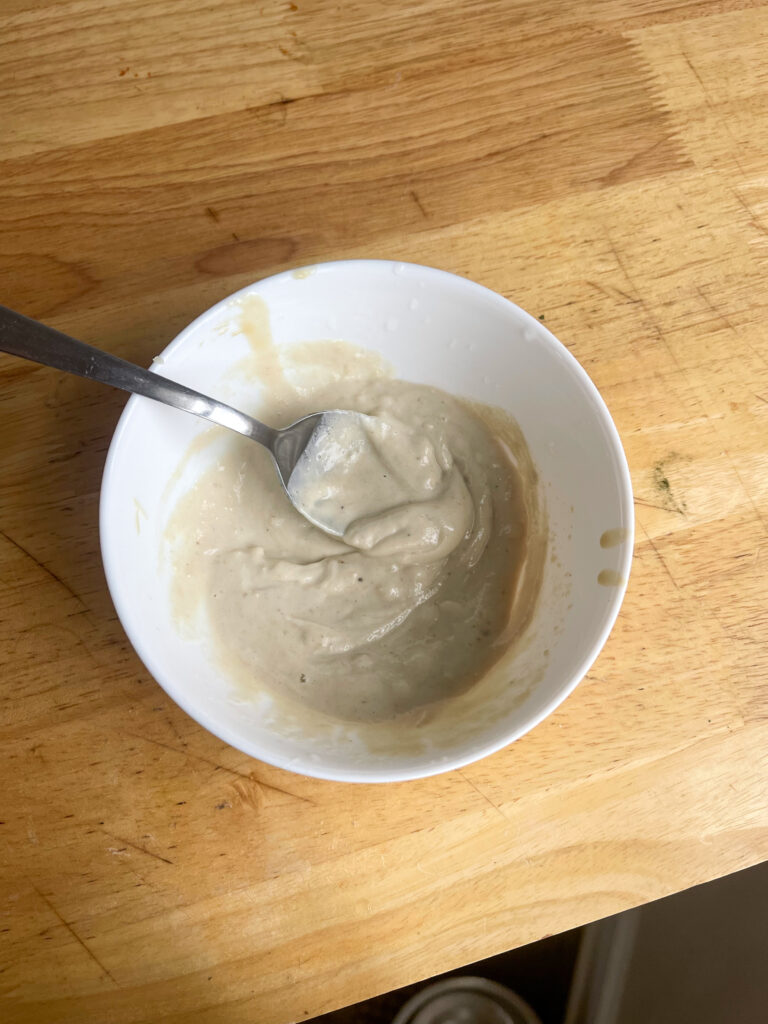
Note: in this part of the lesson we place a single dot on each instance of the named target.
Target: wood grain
(601, 163)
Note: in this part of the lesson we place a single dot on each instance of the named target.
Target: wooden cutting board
(601, 163)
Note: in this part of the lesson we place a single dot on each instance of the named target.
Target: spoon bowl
(431, 328)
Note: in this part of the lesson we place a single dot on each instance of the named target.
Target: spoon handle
(30, 339)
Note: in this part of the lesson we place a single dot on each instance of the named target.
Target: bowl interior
(437, 329)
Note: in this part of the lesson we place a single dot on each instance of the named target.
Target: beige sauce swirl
(386, 488)
(435, 577)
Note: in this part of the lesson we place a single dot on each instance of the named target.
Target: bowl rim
(376, 775)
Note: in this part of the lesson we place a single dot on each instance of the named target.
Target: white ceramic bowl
(434, 328)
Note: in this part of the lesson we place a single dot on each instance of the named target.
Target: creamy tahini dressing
(387, 488)
(438, 568)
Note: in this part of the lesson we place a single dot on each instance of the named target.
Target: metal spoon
(30, 339)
